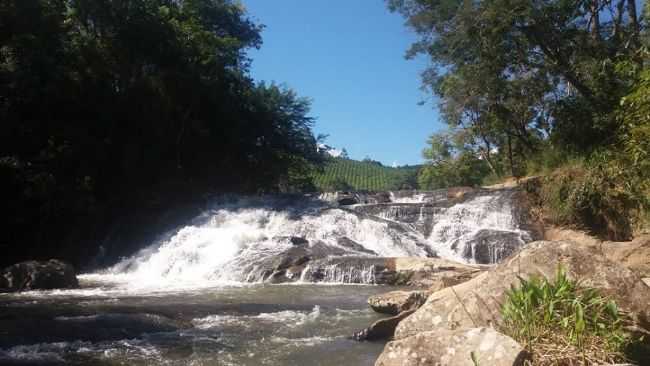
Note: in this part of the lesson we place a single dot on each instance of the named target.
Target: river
(227, 289)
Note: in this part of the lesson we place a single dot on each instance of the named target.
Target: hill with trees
(340, 174)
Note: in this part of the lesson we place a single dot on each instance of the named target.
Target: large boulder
(395, 302)
(454, 348)
(477, 302)
(38, 275)
(432, 273)
(633, 254)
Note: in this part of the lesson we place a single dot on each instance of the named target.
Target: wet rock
(347, 201)
(382, 328)
(351, 244)
(395, 302)
(349, 269)
(38, 275)
(454, 348)
(490, 246)
(477, 302)
(379, 197)
(296, 240)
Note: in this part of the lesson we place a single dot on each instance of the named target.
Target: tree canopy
(528, 85)
(104, 101)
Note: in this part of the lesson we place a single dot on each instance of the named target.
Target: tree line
(107, 105)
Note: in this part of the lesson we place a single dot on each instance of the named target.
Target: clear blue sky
(348, 57)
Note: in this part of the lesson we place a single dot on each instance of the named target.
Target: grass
(562, 323)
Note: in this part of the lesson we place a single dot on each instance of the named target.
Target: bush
(562, 323)
(598, 195)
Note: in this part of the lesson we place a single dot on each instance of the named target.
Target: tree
(512, 73)
(450, 165)
(110, 106)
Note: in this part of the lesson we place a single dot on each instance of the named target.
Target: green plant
(559, 321)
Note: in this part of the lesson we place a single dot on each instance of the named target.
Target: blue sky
(348, 57)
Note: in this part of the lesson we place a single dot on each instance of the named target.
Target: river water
(236, 325)
(199, 295)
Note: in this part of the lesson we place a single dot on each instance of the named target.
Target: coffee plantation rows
(345, 174)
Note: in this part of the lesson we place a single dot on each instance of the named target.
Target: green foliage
(450, 165)
(532, 87)
(104, 102)
(547, 316)
(344, 174)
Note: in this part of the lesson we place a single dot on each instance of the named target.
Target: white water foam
(222, 245)
(216, 251)
(460, 223)
(287, 318)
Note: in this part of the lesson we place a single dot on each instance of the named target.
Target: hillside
(343, 174)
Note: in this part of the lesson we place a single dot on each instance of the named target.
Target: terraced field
(343, 174)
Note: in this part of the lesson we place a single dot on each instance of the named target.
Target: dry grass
(556, 349)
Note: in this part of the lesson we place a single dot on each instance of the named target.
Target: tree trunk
(512, 166)
(634, 22)
(618, 20)
(595, 20)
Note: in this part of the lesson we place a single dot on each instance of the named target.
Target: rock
(351, 244)
(490, 246)
(379, 197)
(633, 254)
(346, 201)
(477, 302)
(454, 348)
(395, 302)
(38, 275)
(296, 240)
(458, 192)
(382, 328)
(433, 273)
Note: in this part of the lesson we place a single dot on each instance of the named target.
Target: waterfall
(271, 239)
(482, 229)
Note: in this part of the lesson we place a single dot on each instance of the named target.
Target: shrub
(562, 323)
(599, 195)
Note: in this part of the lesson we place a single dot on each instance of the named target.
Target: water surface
(244, 325)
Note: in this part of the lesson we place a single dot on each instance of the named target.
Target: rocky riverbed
(301, 280)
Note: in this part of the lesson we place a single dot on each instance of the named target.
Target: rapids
(225, 244)
(200, 294)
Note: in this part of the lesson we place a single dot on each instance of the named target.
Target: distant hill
(345, 174)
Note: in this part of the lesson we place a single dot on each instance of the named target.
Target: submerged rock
(477, 302)
(454, 348)
(38, 275)
(395, 302)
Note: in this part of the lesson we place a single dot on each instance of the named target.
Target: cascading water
(482, 229)
(227, 242)
(239, 241)
(175, 296)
